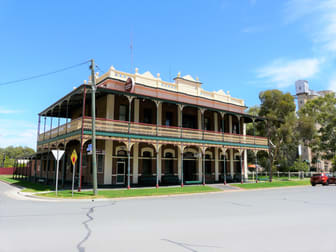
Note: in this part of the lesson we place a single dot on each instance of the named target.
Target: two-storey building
(147, 130)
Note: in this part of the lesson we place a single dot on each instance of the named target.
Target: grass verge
(274, 184)
(28, 186)
(133, 192)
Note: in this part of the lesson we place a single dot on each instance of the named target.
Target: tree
(279, 109)
(299, 166)
(318, 125)
(11, 153)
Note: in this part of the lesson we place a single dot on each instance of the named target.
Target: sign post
(73, 161)
(58, 155)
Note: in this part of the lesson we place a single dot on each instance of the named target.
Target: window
(147, 115)
(189, 121)
(207, 164)
(206, 123)
(85, 163)
(147, 163)
(100, 163)
(234, 130)
(122, 112)
(169, 168)
(221, 164)
(169, 116)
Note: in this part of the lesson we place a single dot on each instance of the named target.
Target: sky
(241, 46)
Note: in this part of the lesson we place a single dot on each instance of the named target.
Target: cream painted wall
(135, 163)
(160, 114)
(231, 161)
(110, 106)
(199, 119)
(179, 165)
(245, 164)
(216, 164)
(108, 162)
(159, 165)
(179, 123)
(199, 167)
(216, 121)
(136, 110)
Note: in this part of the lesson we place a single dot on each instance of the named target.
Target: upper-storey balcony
(136, 130)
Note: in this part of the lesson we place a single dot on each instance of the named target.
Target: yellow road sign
(73, 157)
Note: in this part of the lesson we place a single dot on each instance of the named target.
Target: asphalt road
(288, 219)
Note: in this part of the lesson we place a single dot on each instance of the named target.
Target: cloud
(17, 133)
(283, 73)
(8, 111)
(320, 17)
(332, 84)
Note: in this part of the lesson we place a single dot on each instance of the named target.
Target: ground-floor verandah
(123, 162)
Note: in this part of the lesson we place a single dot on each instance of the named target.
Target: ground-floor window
(207, 164)
(100, 162)
(147, 163)
(169, 164)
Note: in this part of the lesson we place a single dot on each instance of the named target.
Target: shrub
(299, 166)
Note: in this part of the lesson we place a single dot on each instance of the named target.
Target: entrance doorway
(189, 167)
(121, 171)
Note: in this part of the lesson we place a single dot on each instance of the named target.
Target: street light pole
(93, 103)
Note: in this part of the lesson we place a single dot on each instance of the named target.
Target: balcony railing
(108, 125)
(62, 129)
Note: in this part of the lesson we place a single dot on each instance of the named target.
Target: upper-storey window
(122, 112)
(169, 118)
(189, 121)
(207, 125)
(234, 129)
(147, 115)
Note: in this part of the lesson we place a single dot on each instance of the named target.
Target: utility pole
(93, 102)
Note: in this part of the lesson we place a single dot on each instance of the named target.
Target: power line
(44, 74)
(100, 69)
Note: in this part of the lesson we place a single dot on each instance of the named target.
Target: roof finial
(179, 74)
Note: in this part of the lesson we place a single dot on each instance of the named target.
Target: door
(121, 172)
(189, 167)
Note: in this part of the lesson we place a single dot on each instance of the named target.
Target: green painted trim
(101, 133)
(113, 134)
(73, 133)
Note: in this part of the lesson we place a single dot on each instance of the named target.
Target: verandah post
(64, 156)
(48, 163)
(224, 166)
(81, 144)
(182, 166)
(241, 166)
(157, 165)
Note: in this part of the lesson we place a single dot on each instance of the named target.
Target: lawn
(274, 184)
(281, 178)
(28, 186)
(122, 193)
